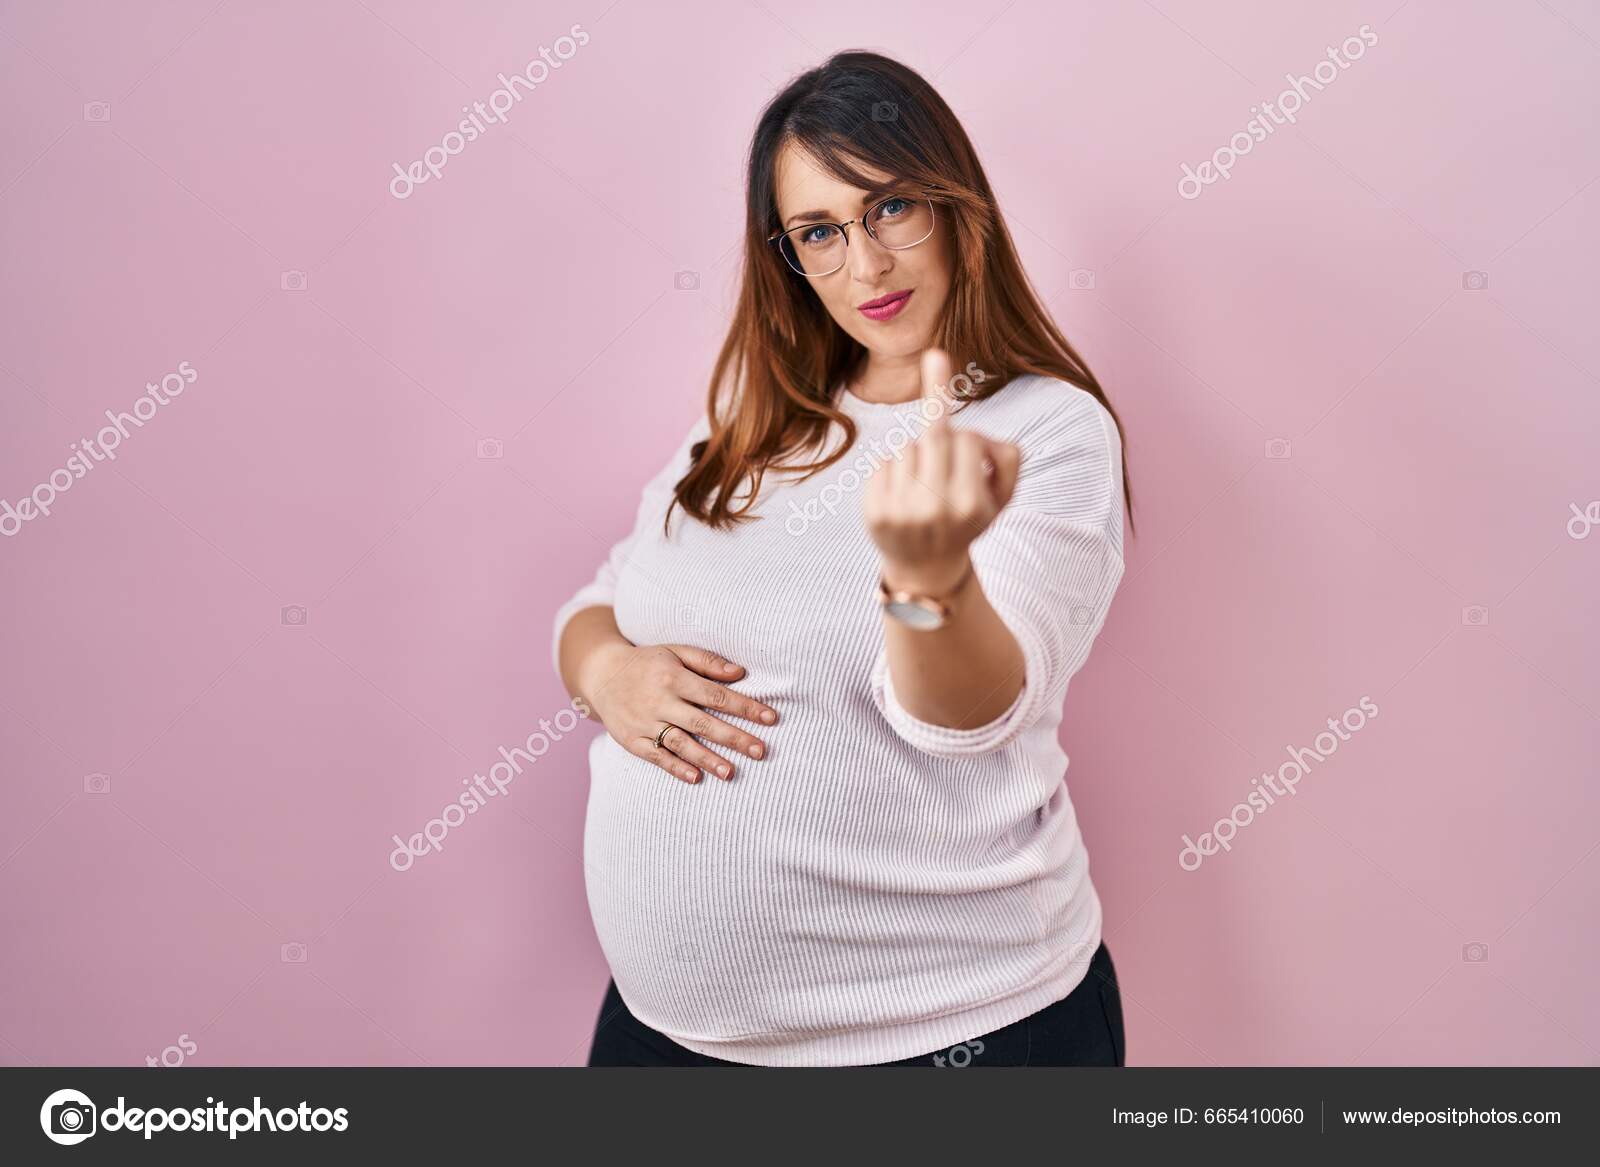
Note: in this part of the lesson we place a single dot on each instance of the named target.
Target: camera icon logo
(1278, 448)
(96, 784)
(292, 281)
(1081, 279)
(68, 1117)
(293, 616)
(1475, 953)
(292, 953)
(1475, 281)
(490, 448)
(686, 281)
(97, 111)
(885, 111)
(1475, 615)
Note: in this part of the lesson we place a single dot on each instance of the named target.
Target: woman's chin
(893, 341)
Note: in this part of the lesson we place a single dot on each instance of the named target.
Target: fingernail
(755, 751)
(692, 775)
(723, 770)
(768, 716)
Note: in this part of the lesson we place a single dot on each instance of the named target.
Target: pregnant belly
(808, 898)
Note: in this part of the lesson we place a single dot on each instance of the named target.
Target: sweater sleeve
(1049, 564)
(657, 494)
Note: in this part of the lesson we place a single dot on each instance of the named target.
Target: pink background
(327, 457)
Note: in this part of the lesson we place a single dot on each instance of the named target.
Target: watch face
(914, 615)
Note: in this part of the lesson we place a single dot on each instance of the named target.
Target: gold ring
(663, 733)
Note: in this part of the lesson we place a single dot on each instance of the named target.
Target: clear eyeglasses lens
(818, 249)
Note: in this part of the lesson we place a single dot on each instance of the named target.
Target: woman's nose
(868, 259)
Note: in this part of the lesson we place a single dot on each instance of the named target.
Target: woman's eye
(816, 236)
(891, 207)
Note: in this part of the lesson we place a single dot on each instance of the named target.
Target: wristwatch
(922, 612)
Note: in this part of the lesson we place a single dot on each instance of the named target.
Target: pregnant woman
(828, 823)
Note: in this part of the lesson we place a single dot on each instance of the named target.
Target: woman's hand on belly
(638, 689)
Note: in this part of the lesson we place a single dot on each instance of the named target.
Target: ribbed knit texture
(877, 887)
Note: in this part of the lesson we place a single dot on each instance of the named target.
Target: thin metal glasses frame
(778, 236)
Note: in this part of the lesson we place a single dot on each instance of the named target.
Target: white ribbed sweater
(877, 887)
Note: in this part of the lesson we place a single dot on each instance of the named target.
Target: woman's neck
(889, 380)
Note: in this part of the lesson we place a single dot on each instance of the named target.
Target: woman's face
(871, 271)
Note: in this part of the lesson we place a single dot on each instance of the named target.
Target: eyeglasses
(818, 249)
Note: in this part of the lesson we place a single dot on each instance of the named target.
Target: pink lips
(885, 307)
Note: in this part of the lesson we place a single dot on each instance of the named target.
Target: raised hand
(925, 508)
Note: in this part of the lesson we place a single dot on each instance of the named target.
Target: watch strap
(939, 604)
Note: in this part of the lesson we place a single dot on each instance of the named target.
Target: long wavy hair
(771, 392)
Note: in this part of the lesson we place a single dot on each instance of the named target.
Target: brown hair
(784, 354)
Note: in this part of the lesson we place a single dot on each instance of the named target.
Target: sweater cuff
(947, 742)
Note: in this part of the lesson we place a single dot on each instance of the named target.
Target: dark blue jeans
(1084, 1028)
